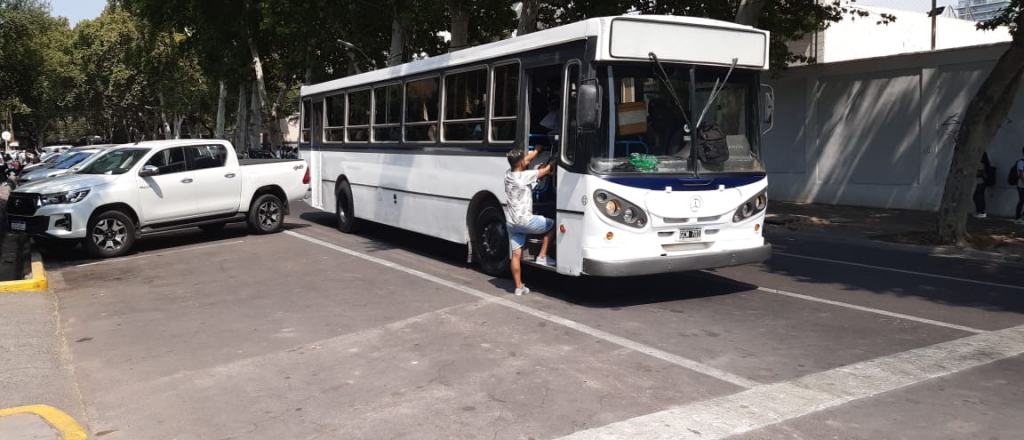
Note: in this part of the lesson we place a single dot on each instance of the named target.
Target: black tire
(266, 215)
(212, 227)
(344, 210)
(56, 245)
(110, 234)
(490, 240)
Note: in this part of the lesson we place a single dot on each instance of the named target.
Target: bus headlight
(751, 207)
(612, 208)
(615, 208)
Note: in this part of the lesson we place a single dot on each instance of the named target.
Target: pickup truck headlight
(73, 196)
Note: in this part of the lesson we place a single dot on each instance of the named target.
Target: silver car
(71, 161)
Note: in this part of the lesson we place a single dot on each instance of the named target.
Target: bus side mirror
(588, 106)
(769, 107)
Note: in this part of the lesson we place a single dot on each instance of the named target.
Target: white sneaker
(1019, 221)
(547, 261)
(980, 215)
(520, 292)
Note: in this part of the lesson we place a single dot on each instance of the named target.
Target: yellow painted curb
(37, 282)
(63, 423)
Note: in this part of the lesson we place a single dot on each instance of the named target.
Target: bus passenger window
(307, 118)
(335, 129)
(387, 118)
(506, 103)
(358, 125)
(421, 110)
(465, 104)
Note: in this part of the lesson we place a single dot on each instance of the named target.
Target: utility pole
(934, 18)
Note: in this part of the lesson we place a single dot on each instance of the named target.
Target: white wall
(862, 37)
(877, 132)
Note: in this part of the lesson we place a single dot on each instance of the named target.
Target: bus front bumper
(682, 263)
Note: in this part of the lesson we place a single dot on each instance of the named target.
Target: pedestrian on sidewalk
(984, 178)
(1019, 213)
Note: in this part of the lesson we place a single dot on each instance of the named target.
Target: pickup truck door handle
(230, 175)
(186, 180)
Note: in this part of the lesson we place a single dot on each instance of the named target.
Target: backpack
(1013, 178)
(712, 147)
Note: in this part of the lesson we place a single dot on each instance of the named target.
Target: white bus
(637, 190)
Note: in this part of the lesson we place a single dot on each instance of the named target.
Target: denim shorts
(536, 226)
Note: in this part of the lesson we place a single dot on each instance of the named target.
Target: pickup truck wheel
(111, 234)
(490, 240)
(266, 215)
(343, 209)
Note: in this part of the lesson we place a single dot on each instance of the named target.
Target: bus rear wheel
(490, 240)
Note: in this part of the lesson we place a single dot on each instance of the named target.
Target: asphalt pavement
(387, 334)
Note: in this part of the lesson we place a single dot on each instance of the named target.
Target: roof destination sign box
(689, 43)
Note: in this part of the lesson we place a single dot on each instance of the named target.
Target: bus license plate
(17, 225)
(690, 234)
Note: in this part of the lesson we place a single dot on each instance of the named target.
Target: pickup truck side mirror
(148, 171)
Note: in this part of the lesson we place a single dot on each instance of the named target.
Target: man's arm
(531, 155)
(544, 170)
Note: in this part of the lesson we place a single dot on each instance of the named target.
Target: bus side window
(570, 132)
(505, 105)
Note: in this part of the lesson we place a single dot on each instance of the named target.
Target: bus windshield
(652, 134)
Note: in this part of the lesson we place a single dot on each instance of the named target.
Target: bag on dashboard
(712, 147)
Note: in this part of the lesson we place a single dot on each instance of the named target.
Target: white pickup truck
(155, 186)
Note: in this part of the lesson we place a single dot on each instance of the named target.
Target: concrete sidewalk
(38, 394)
(995, 237)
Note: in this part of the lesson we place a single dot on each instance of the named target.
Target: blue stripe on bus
(685, 183)
(469, 150)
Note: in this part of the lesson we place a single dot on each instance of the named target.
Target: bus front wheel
(343, 209)
(490, 240)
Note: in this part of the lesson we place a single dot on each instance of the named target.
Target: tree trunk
(396, 55)
(163, 119)
(222, 103)
(241, 119)
(528, 17)
(255, 121)
(750, 11)
(460, 25)
(178, 119)
(982, 120)
(274, 124)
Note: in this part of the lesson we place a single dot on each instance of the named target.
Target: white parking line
(633, 345)
(771, 404)
(158, 254)
(909, 272)
(870, 310)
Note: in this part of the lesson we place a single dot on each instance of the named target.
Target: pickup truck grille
(23, 204)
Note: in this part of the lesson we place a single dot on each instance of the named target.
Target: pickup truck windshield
(115, 162)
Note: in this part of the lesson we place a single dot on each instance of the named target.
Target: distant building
(856, 38)
(980, 10)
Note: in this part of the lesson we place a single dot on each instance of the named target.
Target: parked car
(51, 150)
(155, 186)
(45, 162)
(74, 159)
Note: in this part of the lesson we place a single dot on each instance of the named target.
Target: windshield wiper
(715, 90)
(663, 77)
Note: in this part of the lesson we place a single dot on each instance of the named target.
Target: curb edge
(68, 428)
(38, 282)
